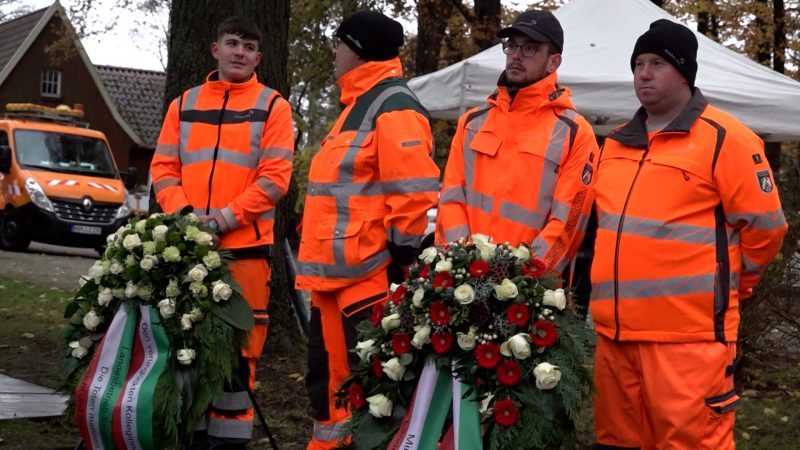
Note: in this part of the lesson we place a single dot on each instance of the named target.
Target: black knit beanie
(673, 42)
(371, 35)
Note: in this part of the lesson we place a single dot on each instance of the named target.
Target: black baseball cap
(541, 26)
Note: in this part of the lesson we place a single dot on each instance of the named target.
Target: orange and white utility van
(60, 184)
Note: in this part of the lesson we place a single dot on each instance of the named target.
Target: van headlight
(37, 195)
(124, 210)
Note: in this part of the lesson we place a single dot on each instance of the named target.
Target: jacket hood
(544, 93)
(365, 77)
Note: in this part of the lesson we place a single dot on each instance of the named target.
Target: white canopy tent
(598, 41)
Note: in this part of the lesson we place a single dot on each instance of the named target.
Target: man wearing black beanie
(369, 189)
(689, 218)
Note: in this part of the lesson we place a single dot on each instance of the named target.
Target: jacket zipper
(619, 238)
(216, 150)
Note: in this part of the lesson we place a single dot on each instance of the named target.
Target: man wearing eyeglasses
(521, 165)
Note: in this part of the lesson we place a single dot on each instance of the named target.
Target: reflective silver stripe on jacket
(329, 432)
(659, 287)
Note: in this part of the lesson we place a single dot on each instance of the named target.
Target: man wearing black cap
(521, 166)
(369, 189)
(689, 218)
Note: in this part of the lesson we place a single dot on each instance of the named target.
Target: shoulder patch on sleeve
(765, 181)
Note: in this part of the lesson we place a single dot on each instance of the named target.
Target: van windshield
(61, 152)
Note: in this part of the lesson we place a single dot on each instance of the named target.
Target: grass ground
(30, 348)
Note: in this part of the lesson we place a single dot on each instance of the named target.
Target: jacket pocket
(486, 143)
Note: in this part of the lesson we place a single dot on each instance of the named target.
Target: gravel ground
(43, 264)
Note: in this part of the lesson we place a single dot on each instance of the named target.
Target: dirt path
(47, 265)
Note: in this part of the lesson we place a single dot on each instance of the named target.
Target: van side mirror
(5, 158)
(130, 178)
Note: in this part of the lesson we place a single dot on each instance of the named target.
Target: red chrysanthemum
(442, 280)
(425, 271)
(441, 342)
(508, 372)
(545, 333)
(357, 400)
(505, 413)
(478, 268)
(487, 355)
(534, 268)
(518, 314)
(399, 294)
(377, 314)
(401, 343)
(377, 369)
(440, 315)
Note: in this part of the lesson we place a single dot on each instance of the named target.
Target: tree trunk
(431, 26)
(193, 27)
(779, 36)
(707, 20)
(486, 24)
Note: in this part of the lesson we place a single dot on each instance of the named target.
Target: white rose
(160, 233)
(522, 253)
(505, 290)
(204, 238)
(198, 289)
(555, 298)
(221, 291)
(466, 341)
(157, 215)
(131, 241)
(428, 255)
(186, 322)
(464, 294)
(547, 376)
(443, 265)
(394, 369)
(148, 262)
(192, 217)
(91, 320)
(198, 272)
(365, 349)
(518, 345)
(167, 308)
(390, 322)
(380, 405)
(419, 294)
(422, 335)
(105, 296)
(96, 271)
(116, 267)
(111, 238)
(186, 356)
(131, 289)
(77, 350)
(140, 226)
(484, 245)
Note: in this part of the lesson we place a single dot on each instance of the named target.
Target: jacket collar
(545, 92)
(634, 133)
(213, 81)
(366, 76)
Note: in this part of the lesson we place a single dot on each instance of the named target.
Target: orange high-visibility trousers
(655, 395)
(230, 419)
(334, 316)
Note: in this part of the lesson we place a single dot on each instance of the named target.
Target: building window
(51, 83)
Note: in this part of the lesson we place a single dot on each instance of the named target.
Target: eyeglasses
(528, 49)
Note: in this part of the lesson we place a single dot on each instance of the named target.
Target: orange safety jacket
(371, 184)
(520, 170)
(226, 149)
(688, 219)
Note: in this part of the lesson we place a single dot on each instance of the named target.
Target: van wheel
(13, 236)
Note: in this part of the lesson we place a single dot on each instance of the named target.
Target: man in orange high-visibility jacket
(688, 218)
(226, 150)
(521, 166)
(369, 189)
